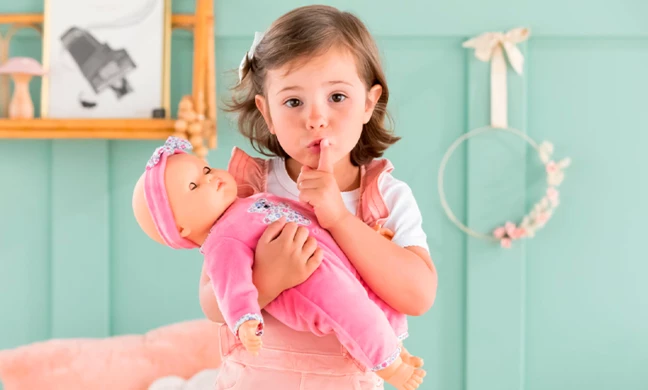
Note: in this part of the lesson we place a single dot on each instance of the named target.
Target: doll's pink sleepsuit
(332, 300)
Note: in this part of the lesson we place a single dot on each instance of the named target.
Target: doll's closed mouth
(218, 183)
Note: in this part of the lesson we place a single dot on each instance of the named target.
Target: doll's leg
(398, 322)
(410, 359)
(332, 300)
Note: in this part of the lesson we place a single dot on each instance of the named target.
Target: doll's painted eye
(206, 170)
(192, 186)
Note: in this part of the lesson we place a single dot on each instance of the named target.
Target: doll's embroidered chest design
(273, 211)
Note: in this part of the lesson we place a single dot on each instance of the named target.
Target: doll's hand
(247, 332)
(285, 257)
(319, 189)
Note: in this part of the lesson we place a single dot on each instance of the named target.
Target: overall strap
(371, 207)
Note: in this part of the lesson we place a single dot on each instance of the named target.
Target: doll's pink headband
(156, 195)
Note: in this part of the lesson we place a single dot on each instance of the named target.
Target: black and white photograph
(105, 58)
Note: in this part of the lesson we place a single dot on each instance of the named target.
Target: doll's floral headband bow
(249, 55)
(171, 146)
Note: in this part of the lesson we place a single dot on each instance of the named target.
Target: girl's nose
(316, 118)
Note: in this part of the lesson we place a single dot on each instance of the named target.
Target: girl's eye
(206, 170)
(292, 103)
(192, 186)
(338, 97)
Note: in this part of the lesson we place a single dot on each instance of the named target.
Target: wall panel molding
(496, 183)
(80, 296)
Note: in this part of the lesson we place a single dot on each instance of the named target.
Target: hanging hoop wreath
(541, 212)
(491, 47)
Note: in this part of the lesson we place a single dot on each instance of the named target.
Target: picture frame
(197, 110)
(106, 59)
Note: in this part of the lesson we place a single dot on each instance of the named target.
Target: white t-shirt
(404, 218)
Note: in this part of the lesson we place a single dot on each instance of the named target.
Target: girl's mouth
(315, 146)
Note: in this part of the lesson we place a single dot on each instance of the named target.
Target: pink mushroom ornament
(21, 70)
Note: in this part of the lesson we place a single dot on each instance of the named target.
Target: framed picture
(106, 58)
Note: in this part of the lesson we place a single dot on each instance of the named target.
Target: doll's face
(198, 194)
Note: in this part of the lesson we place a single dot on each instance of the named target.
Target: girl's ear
(372, 99)
(262, 105)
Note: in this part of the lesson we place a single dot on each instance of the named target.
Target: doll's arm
(228, 264)
(209, 304)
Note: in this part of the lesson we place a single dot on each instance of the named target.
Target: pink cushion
(130, 362)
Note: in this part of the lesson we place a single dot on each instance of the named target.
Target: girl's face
(322, 97)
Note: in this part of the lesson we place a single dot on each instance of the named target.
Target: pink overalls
(313, 358)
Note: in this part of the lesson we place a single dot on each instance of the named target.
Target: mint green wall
(567, 310)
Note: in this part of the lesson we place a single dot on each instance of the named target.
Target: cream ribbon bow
(258, 36)
(491, 46)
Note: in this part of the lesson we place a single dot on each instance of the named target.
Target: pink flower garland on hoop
(543, 209)
(490, 47)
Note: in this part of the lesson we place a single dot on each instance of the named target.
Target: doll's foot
(402, 375)
(248, 333)
(413, 361)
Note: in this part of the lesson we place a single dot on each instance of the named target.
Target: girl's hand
(285, 257)
(319, 189)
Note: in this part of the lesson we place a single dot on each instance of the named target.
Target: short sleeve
(405, 218)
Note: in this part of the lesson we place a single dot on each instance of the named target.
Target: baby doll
(182, 203)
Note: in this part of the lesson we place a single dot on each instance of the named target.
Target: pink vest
(251, 175)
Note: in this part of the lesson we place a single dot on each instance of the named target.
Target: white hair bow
(258, 36)
(491, 46)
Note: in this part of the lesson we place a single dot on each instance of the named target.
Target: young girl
(316, 74)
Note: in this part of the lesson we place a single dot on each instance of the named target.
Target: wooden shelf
(177, 20)
(86, 128)
(196, 112)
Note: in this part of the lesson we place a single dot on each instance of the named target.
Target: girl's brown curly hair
(305, 32)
